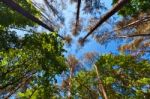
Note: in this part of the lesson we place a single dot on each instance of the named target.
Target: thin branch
(32, 93)
(16, 81)
(43, 14)
(85, 87)
(53, 9)
(50, 7)
(144, 19)
(134, 35)
(17, 87)
(106, 16)
(141, 51)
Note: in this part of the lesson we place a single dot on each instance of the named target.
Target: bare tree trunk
(100, 85)
(106, 16)
(77, 17)
(78, 10)
(71, 75)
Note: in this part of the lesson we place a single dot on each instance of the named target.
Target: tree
(33, 64)
(124, 76)
(106, 16)
(9, 18)
(133, 28)
(84, 85)
(53, 13)
(134, 25)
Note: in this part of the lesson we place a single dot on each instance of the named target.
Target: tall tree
(16, 7)
(33, 64)
(10, 18)
(124, 76)
(111, 12)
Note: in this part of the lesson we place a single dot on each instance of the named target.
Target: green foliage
(134, 7)
(34, 63)
(124, 76)
(8, 39)
(84, 85)
(10, 18)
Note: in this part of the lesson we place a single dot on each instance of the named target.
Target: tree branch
(53, 9)
(144, 19)
(17, 87)
(134, 35)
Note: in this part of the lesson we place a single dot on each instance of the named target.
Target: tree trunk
(100, 85)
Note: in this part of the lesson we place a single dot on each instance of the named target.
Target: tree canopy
(36, 63)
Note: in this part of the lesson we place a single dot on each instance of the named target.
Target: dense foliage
(122, 76)
(32, 63)
(125, 76)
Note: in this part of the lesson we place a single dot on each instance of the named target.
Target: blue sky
(92, 45)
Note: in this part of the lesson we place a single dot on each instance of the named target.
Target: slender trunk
(70, 77)
(100, 85)
(78, 10)
(77, 17)
(53, 9)
(106, 16)
(50, 7)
